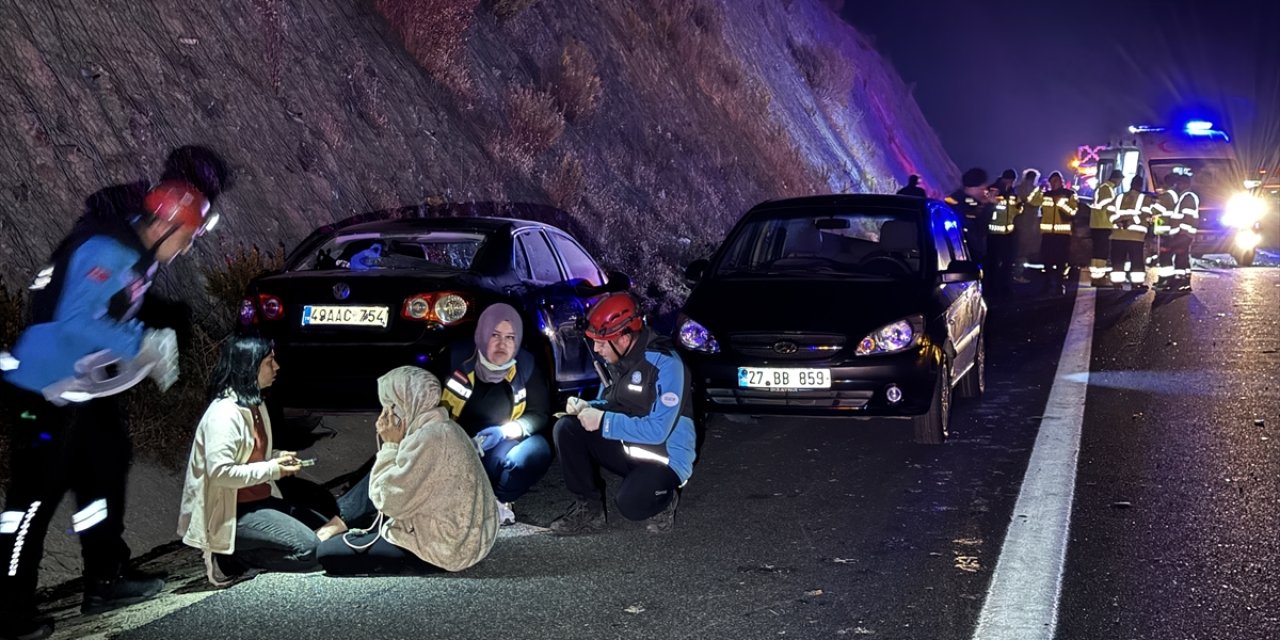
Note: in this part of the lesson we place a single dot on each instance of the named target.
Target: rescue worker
(641, 428)
(1104, 206)
(84, 345)
(972, 205)
(913, 187)
(1002, 244)
(1025, 227)
(1058, 207)
(1128, 233)
(1178, 209)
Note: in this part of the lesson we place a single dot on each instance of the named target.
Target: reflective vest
(1164, 213)
(457, 390)
(1056, 210)
(1008, 208)
(1188, 214)
(1104, 205)
(1130, 219)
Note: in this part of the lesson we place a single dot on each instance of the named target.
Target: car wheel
(974, 383)
(931, 428)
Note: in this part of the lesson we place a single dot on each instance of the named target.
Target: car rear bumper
(322, 377)
(858, 388)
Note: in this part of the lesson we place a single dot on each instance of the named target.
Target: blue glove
(488, 438)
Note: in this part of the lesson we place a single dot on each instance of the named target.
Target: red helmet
(613, 316)
(180, 203)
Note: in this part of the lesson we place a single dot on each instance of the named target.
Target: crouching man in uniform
(641, 429)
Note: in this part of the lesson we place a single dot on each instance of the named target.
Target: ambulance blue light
(1199, 126)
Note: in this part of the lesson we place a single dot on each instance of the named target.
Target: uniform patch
(99, 275)
(636, 377)
(670, 399)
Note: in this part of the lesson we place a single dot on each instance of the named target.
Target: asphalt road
(831, 529)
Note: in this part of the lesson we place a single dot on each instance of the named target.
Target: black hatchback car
(840, 305)
(360, 297)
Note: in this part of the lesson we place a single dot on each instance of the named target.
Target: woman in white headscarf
(435, 507)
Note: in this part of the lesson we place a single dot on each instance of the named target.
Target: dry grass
(536, 123)
(435, 34)
(826, 71)
(565, 185)
(227, 283)
(12, 311)
(578, 88)
(505, 9)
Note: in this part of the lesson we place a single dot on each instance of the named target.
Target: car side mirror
(696, 270)
(962, 270)
(617, 281)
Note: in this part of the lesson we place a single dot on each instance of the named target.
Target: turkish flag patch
(99, 275)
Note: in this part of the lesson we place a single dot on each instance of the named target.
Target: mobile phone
(306, 462)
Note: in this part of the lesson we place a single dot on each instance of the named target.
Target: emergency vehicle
(1231, 210)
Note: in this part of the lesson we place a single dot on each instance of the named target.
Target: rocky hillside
(653, 123)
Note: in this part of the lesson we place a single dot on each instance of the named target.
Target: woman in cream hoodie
(435, 506)
(231, 508)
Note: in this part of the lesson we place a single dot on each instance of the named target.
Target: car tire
(974, 383)
(931, 428)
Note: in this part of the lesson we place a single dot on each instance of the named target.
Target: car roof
(483, 224)
(870, 200)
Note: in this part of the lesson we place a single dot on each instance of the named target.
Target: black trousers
(1001, 250)
(647, 486)
(1129, 251)
(1175, 251)
(1101, 244)
(381, 557)
(1055, 253)
(82, 447)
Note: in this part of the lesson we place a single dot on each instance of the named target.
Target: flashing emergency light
(1200, 126)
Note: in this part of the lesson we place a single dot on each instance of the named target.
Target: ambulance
(1231, 210)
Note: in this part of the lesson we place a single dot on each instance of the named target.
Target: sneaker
(665, 520)
(28, 630)
(224, 571)
(583, 516)
(506, 515)
(104, 595)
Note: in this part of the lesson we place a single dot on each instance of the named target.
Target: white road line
(1022, 601)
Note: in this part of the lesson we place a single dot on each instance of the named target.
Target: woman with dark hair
(232, 509)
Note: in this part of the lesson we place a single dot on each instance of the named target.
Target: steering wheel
(887, 259)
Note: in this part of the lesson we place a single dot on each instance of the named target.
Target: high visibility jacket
(1104, 204)
(1008, 207)
(459, 387)
(1164, 213)
(1057, 208)
(1131, 217)
(1188, 214)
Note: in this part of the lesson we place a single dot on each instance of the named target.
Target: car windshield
(451, 250)
(882, 243)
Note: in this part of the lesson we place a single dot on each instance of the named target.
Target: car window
(542, 263)
(521, 263)
(576, 261)
(454, 250)
(878, 243)
(940, 242)
(951, 225)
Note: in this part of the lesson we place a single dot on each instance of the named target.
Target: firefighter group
(1006, 220)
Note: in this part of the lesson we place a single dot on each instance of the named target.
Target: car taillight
(443, 307)
(272, 307)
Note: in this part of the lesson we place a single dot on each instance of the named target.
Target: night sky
(1022, 84)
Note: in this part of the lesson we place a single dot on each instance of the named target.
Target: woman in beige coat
(231, 508)
(435, 506)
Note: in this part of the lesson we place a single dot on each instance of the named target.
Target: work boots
(665, 520)
(106, 594)
(583, 516)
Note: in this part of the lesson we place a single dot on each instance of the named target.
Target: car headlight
(695, 337)
(1243, 210)
(893, 337)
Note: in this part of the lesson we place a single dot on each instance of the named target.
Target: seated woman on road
(433, 502)
(500, 398)
(231, 508)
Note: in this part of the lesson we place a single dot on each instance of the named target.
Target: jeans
(647, 486)
(274, 535)
(515, 465)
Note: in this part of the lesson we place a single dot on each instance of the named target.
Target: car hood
(820, 305)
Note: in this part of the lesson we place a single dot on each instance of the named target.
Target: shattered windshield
(883, 243)
(373, 251)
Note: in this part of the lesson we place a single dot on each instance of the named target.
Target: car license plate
(344, 315)
(783, 379)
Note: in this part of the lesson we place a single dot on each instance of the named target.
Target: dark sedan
(842, 305)
(360, 297)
